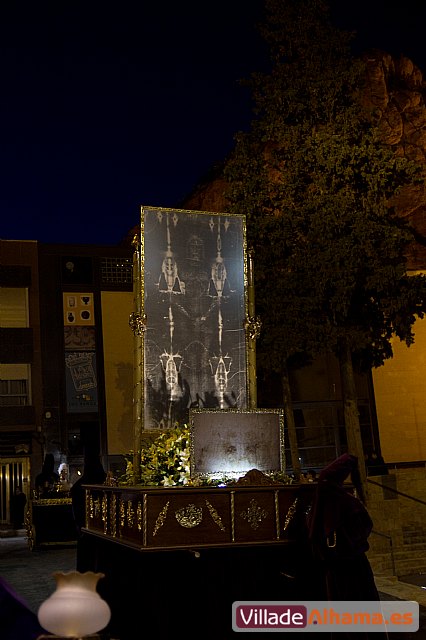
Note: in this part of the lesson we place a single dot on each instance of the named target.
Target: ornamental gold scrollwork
(135, 241)
(139, 516)
(87, 508)
(94, 507)
(161, 518)
(48, 502)
(233, 516)
(122, 512)
(277, 513)
(145, 519)
(290, 514)
(253, 327)
(104, 512)
(190, 516)
(254, 514)
(137, 323)
(216, 517)
(130, 514)
(113, 515)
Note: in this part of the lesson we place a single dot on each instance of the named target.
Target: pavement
(30, 574)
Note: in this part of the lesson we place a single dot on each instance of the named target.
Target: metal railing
(401, 493)
(385, 535)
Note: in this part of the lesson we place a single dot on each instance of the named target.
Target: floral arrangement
(166, 462)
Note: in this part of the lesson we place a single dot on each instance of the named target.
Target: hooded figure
(93, 473)
(45, 481)
(339, 527)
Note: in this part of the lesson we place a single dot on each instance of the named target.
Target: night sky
(109, 106)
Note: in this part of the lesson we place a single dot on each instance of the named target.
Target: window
(14, 385)
(13, 393)
(13, 307)
(116, 270)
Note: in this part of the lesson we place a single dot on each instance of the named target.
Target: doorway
(14, 472)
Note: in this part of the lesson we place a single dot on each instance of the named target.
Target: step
(13, 533)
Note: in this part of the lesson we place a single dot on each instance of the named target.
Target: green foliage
(315, 183)
(165, 462)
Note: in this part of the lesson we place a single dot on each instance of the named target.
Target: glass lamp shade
(75, 609)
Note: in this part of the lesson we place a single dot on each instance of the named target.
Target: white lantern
(75, 609)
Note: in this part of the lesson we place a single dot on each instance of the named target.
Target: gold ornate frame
(190, 319)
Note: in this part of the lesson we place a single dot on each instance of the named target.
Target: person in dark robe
(17, 508)
(339, 526)
(93, 473)
(47, 479)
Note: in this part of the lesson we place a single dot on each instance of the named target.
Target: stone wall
(398, 541)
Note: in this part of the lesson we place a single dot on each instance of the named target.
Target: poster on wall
(81, 384)
(194, 273)
(78, 309)
(80, 352)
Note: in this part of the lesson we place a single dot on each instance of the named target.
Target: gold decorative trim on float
(127, 513)
(290, 514)
(48, 502)
(187, 517)
(130, 513)
(122, 514)
(161, 518)
(277, 513)
(93, 510)
(145, 523)
(139, 514)
(137, 323)
(254, 514)
(114, 515)
(233, 516)
(253, 327)
(104, 510)
(216, 517)
(50, 521)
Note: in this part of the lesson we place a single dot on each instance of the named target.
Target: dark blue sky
(109, 106)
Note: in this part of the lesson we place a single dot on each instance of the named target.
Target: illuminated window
(13, 307)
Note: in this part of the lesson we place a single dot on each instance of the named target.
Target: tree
(315, 183)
